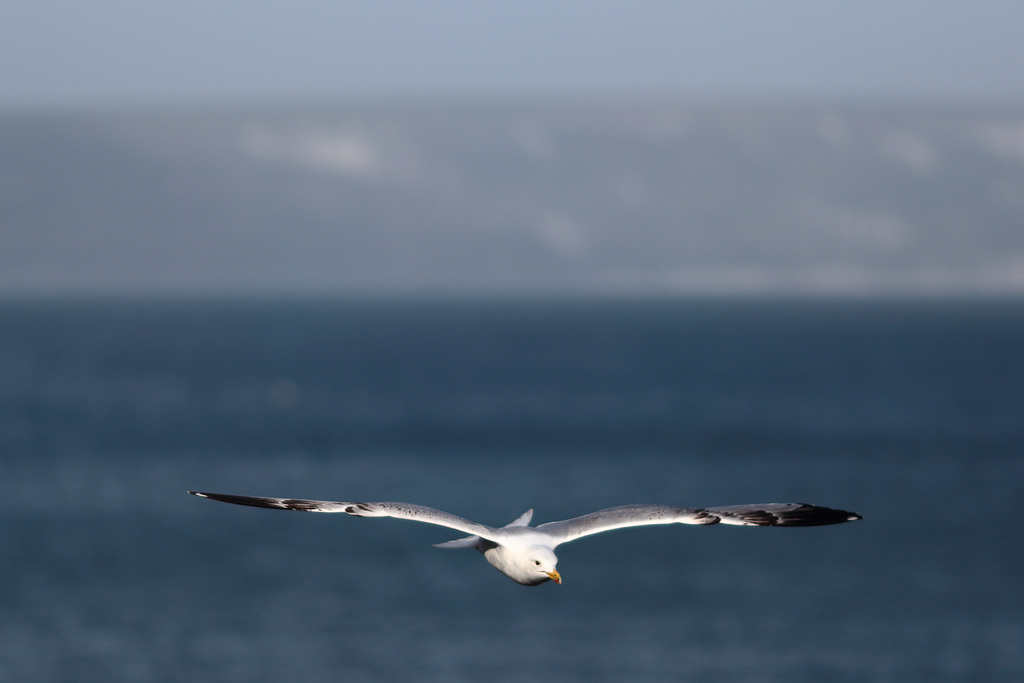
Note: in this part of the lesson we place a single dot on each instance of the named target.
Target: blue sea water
(911, 413)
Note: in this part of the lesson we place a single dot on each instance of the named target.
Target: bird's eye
(537, 562)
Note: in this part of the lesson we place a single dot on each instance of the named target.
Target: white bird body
(526, 554)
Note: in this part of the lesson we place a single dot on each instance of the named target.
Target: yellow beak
(554, 576)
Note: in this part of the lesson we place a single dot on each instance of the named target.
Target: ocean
(908, 412)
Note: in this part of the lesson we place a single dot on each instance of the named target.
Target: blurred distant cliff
(600, 198)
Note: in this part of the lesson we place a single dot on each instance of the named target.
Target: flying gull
(526, 554)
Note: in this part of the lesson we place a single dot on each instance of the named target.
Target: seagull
(526, 554)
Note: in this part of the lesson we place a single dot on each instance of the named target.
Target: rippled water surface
(909, 413)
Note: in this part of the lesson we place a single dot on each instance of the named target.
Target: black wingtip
(253, 501)
(817, 515)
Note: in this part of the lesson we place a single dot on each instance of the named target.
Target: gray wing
(416, 513)
(767, 514)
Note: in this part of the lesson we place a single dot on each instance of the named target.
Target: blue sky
(110, 53)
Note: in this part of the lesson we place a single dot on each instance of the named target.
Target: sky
(67, 54)
(111, 55)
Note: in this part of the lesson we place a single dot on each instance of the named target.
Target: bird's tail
(467, 542)
(472, 541)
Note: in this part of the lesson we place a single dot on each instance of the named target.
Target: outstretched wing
(768, 514)
(416, 513)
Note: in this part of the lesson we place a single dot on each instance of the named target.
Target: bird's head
(542, 563)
